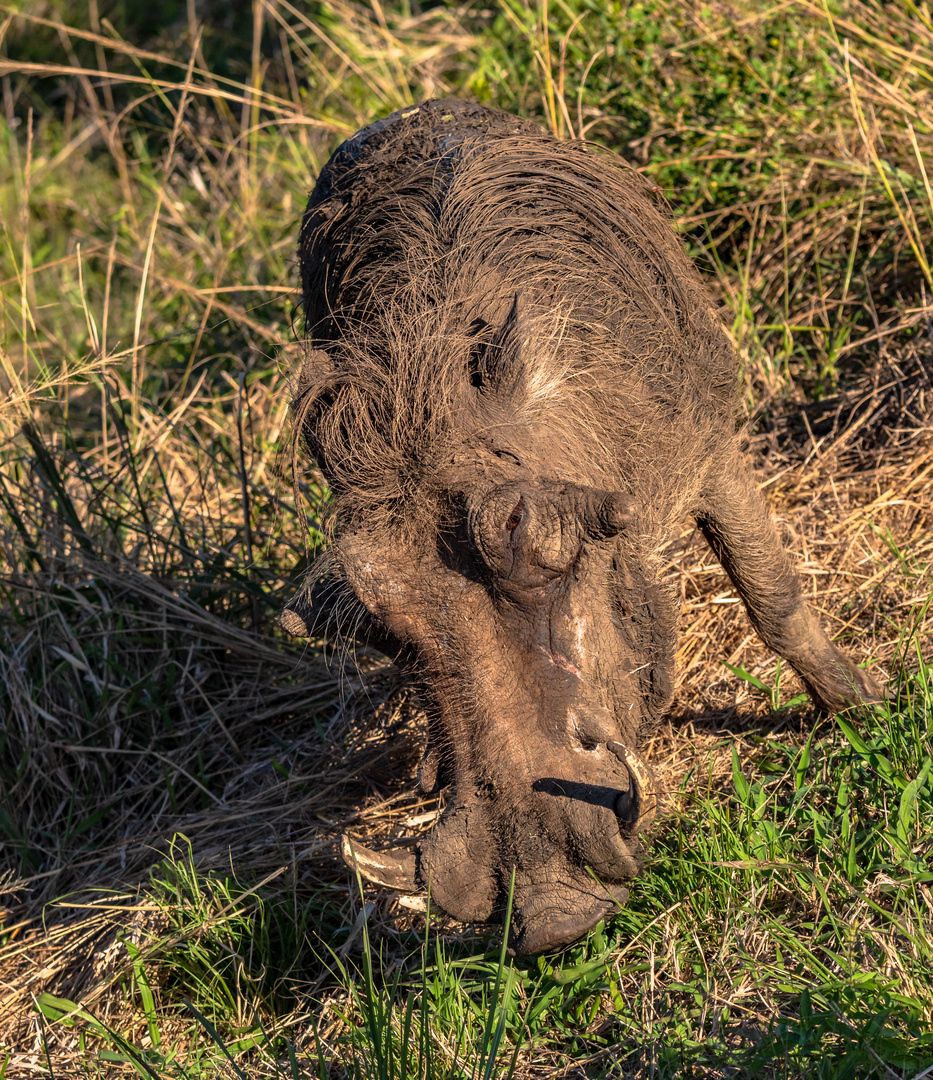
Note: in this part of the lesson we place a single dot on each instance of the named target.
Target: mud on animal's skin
(516, 387)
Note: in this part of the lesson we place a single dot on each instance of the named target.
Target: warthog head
(509, 615)
(520, 601)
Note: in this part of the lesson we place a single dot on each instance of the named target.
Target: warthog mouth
(554, 900)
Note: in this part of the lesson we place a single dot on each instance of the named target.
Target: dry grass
(147, 535)
(271, 793)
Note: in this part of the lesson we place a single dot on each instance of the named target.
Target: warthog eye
(515, 518)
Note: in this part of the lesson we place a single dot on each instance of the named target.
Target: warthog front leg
(738, 527)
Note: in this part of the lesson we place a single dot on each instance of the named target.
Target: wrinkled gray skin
(517, 388)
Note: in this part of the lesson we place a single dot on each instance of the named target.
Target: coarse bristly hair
(458, 284)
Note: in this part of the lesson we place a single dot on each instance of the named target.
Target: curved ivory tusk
(641, 792)
(300, 615)
(292, 623)
(394, 868)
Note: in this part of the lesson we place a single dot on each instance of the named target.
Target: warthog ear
(496, 362)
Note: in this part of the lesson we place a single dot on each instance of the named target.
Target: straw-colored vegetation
(174, 772)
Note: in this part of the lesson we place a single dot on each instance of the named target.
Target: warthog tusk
(394, 868)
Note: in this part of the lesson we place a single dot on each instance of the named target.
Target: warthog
(516, 388)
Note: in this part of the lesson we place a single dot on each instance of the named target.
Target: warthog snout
(508, 624)
(555, 898)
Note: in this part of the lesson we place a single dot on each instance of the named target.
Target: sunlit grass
(783, 923)
(173, 773)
